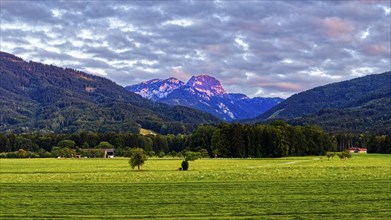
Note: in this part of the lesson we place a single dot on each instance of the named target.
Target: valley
(195, 109)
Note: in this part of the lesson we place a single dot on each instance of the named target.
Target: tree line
(277, 139)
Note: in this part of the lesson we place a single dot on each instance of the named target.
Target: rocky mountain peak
(206, 84)
(156, 88)
(205, 93)
(174, 80)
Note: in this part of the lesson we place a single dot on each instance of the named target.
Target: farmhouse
(108, 152)
(357, 150)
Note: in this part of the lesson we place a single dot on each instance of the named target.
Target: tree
(4, 143)
(137, 158)
(221, 140)
(280, 139)
(173, 153)
(202, 136)
(68, 153)
(25, 143)
(66, 144)
(62, 152)
(104, 144)
(203, 152)
(190, 156)
(145, 143)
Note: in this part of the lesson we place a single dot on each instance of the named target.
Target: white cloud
(179, 22)
(362, 71)
(387, 10)
(318, 72)
(96, 71)
(365, 34)
(239, 40)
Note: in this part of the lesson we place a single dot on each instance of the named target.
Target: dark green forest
(277, 139)
(372, 117)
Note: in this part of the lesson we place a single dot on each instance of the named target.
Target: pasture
(284, 188)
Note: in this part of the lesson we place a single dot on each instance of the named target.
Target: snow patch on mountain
(156, 89)
(226, 110)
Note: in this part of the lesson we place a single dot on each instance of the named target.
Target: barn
(108, 152)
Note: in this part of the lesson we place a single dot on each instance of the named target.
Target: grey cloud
(23, 11)
(44, 54)
(102, 52)
(287, 46)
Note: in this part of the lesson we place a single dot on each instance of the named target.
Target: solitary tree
(190, 156)
(137, 158)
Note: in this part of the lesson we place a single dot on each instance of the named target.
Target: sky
(259, 48)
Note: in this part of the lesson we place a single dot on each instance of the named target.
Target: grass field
(286, 188)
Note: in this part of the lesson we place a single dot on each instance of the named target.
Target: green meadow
(285, 188)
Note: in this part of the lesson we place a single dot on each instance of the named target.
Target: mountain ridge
(44, 98)
(357, 105)
(205, 93)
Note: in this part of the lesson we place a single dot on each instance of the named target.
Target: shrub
(203, 153)
(21, 153)
(347, 154)
(151, 153)
(12, 154)
(92, 153)
(330, 154)
(185, 165)
(31, 154)
(124, 152)
(162, 154)
(191, 156)
(344, 154)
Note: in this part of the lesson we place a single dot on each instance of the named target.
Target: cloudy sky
(260, 48)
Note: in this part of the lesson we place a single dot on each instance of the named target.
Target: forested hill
(44, 98)
(358, 105)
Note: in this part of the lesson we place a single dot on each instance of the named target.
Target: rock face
(204, 93)
(206, 84)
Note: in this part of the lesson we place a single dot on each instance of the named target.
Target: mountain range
(35, 97)
(204, 93)
(360, 105)
(44, 98)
